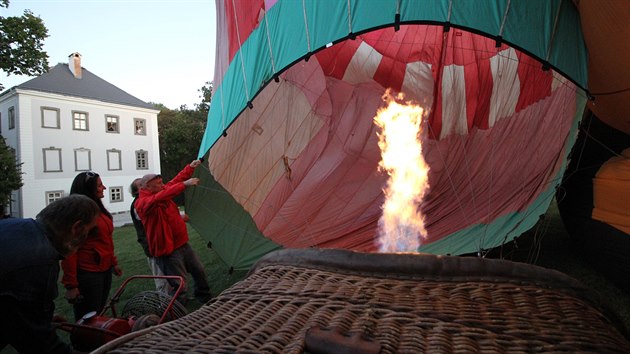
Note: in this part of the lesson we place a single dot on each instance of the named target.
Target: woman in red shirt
(87, 274)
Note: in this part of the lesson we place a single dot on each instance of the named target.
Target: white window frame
(77, 159)
(113, 121)
(143, 126)
(142, 160)
(116, 194)
(51, 196)
(111, 157)
(14, 206)
(52, 149)
(77, 119)
(57, 123)
(11, 117)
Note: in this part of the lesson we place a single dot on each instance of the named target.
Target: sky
(159, 51)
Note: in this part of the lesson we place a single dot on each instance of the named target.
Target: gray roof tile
(60, 80)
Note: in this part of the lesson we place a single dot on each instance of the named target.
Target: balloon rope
(610, 92)
(257, 204)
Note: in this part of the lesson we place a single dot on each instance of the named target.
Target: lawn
(132, 260)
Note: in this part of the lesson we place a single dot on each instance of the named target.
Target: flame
(401, 226)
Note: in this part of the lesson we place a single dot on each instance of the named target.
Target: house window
(140, 126)
(52, 159)
(80, 121)
(50, 117)
(142, 162)
(111, 124)
(7, 205)
(114, 160)
(14, 204)
(82, 159)
(53, 195)
(11, 117)
(115, 194)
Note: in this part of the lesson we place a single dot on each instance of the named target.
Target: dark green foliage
(206, 97)
(10, 174)
(180, 134)
(21, 44)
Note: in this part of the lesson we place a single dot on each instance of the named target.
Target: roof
(61, 81)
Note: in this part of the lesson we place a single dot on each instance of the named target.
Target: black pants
(94, 288)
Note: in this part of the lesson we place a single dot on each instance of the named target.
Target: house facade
(69, 120)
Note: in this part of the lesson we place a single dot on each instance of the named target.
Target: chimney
(74, 64)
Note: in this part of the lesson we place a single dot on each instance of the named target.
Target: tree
(10, 175)
(180, 133)
(21, 44)
(206, 97)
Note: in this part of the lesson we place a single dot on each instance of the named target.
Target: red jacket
(95, 255)
(166, 230)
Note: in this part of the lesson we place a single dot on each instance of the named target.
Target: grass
(132, 261)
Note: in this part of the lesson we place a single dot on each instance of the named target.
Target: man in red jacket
(167, 236)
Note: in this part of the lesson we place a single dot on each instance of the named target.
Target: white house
(69, 120)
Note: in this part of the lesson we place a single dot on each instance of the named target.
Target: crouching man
(30, 251)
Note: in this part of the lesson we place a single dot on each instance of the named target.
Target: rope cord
(258, 204)
(505, 15)
(271, 56)
(553, 33)
(308, 35)
(240, 51)
(605, 93)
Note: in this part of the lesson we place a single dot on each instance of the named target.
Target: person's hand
(117, 271)
(191, 182)
(73, 295)
(195, 163)
(185, 217)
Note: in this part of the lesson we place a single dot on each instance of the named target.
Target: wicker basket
(334, 301)
(153, 302)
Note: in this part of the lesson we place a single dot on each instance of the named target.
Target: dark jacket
(137, 223)
(29, 269)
